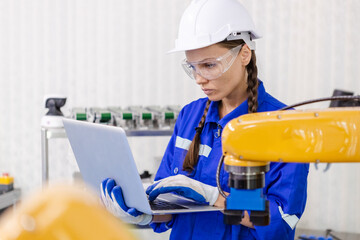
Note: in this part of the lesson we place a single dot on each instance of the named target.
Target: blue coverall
(285, 183)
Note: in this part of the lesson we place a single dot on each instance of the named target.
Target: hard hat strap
(246, 36)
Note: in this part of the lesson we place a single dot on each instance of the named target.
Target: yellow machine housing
(331, 135)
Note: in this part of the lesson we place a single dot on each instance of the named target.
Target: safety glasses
(213, 68)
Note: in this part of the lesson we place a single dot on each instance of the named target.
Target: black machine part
(54, 105)
(145, 175)
(246, 177)
(344, 103)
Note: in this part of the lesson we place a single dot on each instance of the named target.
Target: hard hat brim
(254, 35)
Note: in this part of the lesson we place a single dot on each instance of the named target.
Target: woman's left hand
(113, 199)
(186, 187)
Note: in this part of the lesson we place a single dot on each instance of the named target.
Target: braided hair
(192, 155)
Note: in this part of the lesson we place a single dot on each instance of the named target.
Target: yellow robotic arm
(251, 141)
(331, 135)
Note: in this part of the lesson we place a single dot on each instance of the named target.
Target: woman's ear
(245, 55)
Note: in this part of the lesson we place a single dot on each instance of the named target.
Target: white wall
(112, 53)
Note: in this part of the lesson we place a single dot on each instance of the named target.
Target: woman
(217, 37)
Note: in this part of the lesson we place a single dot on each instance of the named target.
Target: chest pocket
(182, 145)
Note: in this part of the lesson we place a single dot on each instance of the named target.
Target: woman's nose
(200, 79)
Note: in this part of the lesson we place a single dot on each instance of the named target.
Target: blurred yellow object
(330, 135)
(62, 213)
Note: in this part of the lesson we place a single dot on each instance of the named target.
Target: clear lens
(214, 68)
(188, 68)
(210, 70)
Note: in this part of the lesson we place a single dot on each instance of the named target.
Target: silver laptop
(103, 152)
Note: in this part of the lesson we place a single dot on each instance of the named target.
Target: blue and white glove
(113, 199)
(185, 187)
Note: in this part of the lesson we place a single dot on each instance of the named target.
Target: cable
(218, 176)
(344, 98)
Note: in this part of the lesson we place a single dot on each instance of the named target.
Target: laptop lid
(103, 152)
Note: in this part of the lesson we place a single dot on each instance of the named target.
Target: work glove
(113, 199)
(186, 187)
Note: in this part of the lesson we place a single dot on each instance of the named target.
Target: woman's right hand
(113, 199)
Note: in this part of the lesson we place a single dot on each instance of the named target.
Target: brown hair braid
(192, 155)
(253, 84)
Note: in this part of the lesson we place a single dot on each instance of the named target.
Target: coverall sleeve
(165, 171)
(286, 190)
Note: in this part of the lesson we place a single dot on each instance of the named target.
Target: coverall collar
(213, 113)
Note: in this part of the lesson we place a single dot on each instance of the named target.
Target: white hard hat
(206, 22)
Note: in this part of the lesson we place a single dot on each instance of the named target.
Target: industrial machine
(252, 141)
(131, 117)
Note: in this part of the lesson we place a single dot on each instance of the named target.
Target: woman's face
(231, 84)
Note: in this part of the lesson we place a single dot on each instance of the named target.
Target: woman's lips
(207, 91)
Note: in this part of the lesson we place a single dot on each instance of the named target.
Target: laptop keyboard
(161, 205)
